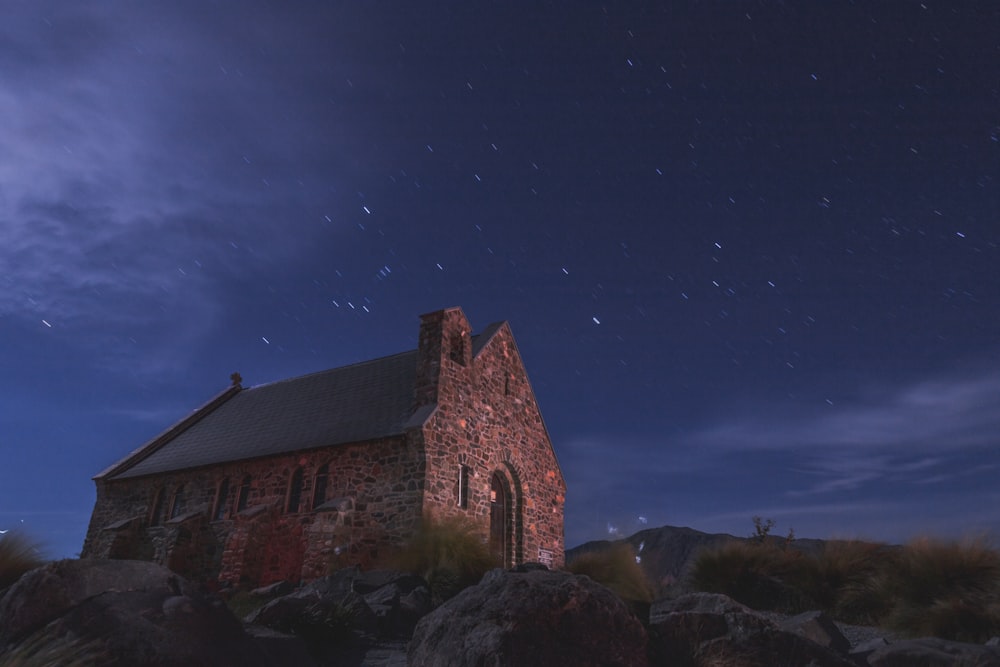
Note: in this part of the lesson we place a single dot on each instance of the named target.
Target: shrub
(845, 578)
(449, 554)
(945, 589)
(754, 573)
(242, 603)
(18, 554)
(930, 587)
(44, 649)
(617, 569)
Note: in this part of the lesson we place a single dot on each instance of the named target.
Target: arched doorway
(499, 520)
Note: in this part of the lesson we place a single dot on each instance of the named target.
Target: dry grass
(449, 554)
(753, 573)
(242, 603)
(18, 554)
(845, 577)
(617, 569)
(43, 649)
(947, 589)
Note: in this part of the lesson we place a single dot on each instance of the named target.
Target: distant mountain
(667, 553)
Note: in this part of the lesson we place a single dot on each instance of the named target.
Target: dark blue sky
(749, 250)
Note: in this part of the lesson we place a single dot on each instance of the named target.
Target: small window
(463, 486)
(319, 487)
(221, 496)
(294, 492)
(244, 496)
(180, 502)
(156, 516)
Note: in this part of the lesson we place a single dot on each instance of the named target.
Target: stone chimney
(443, 353)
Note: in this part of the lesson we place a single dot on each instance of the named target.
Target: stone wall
(488, 420)
(371, 504)
(480, 423)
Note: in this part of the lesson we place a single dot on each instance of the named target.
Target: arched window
(244, 496)
(221, 496)
(319, 486)
(294, 492)
(463, 486)
(156, 516)
(180, 502)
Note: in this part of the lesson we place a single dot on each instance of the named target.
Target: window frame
(219, 507)
(321, 483)
(294, 492)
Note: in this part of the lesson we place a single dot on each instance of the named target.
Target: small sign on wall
(545, 557)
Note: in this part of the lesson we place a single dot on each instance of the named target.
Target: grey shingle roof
(364, 401)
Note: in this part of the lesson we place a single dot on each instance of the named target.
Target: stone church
(283, 480)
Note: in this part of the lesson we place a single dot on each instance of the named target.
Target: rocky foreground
(128, 613)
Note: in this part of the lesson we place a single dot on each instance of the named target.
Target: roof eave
(483, 338)
(159, 441)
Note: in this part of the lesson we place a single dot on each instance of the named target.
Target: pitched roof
(364, 401)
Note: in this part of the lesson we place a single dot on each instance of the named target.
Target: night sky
(750, 251)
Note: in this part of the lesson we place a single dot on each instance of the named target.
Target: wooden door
(499, 511)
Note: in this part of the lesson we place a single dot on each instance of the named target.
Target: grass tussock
(242, 603)
(617, 569)
(44, 649)
(947, 589)
(449, 554)
(756, 573)
(18, 554)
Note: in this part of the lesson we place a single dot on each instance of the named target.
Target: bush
(930, 587)
(845, 578)
(945, 589)
(242, 603)
(18, 554)
(617, 569)
(754, 573)
(449, 554)
(44, 649)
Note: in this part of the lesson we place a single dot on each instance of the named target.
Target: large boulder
(126, 612)
(530, 618)
(387, 603)
(343, 616)
(705, 630)
(930, 652)
(818, 627)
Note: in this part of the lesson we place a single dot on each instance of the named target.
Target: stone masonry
(471, 444)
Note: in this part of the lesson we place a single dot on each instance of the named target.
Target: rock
(127, 612)
(389, 594)
(414, 606)
(277, 613)
(280, 647)
(817, 627)
(353, 606)
(274, 590)
(373, 580)
(358, 614)
(931, 652)
(705, 630)
(334, 585)
(993, 641)
(859, 654)
(532, 618)
(530, 566)
(738, 618)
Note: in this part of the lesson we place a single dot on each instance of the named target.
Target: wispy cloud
(928, 417)
(122, 213)
(887, 464)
